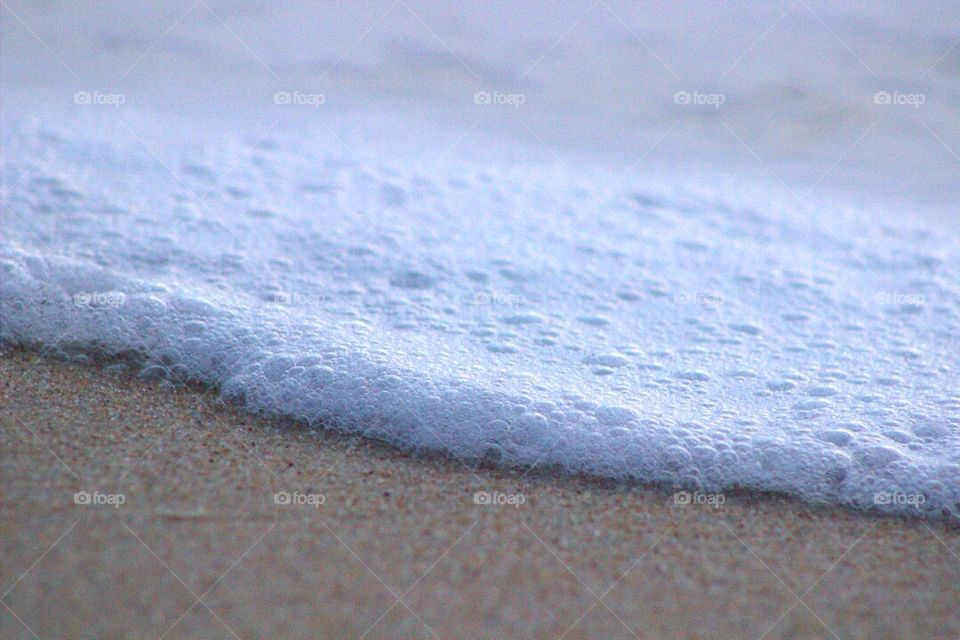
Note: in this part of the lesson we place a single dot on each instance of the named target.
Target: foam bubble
(596, 340)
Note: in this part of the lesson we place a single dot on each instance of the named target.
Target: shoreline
(401, 535)
(126, 366)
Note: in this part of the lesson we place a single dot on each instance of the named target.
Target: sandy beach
(183, 537)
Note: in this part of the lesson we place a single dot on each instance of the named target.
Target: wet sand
(399, 548)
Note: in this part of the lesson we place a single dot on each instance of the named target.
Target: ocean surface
(356, 257)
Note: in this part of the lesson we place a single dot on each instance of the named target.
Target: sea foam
(702, 334)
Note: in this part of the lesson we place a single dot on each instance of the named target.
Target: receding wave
(700, 334)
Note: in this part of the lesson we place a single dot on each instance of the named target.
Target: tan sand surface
(399, 549)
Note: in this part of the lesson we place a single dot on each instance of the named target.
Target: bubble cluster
(513, 314)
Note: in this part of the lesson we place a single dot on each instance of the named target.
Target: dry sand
(199, 549)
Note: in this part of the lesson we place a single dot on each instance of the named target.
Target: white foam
(709, 335)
